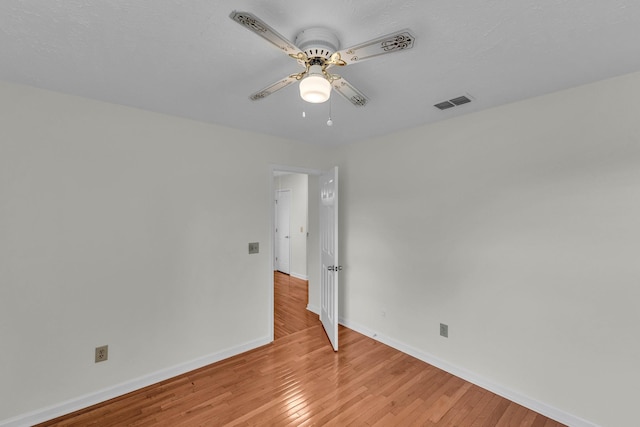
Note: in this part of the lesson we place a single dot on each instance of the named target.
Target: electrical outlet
(102, 353)
(254, 248)
(444, 330)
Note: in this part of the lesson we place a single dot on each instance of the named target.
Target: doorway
(291, 207)
(322, 284)
(300, 187)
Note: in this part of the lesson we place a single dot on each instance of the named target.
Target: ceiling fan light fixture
(315, 88)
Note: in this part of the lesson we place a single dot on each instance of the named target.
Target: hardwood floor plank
(445, 403)
(498, 411)
(300, 381)
(463, 407)
(509, 416)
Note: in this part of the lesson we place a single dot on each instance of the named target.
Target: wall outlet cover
(102, 353)
(444, 330)
(254, 248)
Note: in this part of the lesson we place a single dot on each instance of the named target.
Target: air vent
(460, 100)
(444, 105)
(452, 102)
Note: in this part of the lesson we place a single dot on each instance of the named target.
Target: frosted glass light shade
(315, 88)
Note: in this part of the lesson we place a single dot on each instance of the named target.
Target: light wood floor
(298, 380)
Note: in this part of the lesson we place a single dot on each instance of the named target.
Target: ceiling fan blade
(261, 28)
(280, 84)
(394, 42)
(347, 90)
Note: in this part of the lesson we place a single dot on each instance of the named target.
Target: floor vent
(452, 102)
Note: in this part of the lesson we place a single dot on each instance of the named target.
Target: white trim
(299, 276)
(103, 395)
(314, 309)
(293, 169)
(540, 407)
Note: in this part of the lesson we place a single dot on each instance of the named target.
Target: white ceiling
(188, 58)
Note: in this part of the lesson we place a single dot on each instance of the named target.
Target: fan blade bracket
(299, 76)
(335, 59)
(274, 87)
(330, 77)
(302, 58)
(261, 28)
(394, 42)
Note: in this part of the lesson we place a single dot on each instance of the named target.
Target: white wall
(519, 227)
(126, 228)
(298, 184)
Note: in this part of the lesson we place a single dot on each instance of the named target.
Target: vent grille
(452, 103)
(444, 105)
(460, 100)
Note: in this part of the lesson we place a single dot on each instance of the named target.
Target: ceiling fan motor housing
(317, 42)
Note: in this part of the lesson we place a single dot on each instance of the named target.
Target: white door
(283, 240)
(329, 269)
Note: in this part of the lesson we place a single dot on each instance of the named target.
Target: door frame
(271, 218)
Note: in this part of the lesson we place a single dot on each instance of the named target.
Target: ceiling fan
(316, 49)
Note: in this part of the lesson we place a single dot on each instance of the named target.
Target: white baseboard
(299, 276)
(90, 399)
(540, 407)
(81, 402)
(314, 309)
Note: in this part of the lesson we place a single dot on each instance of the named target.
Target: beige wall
(519, 227)
(126, 228)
